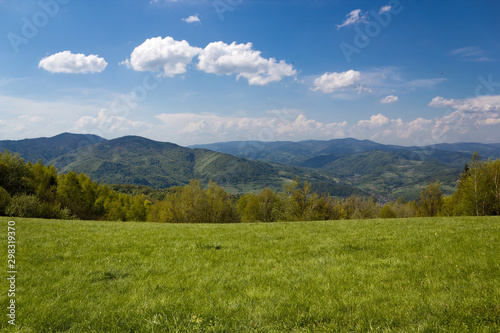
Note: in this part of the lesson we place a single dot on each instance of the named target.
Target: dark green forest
(37, 190)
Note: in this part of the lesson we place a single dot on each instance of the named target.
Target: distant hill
(139, 161)
(339, 167)
(316, 153)
(46, 149)
(392, 174)
(387, 170)
(295, 153)
(485, 150)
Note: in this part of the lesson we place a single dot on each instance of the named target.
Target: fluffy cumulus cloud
(480, 123)
(477, 114)
(375, 121)
(67, 62)
(332, 82)
(27, 118)
(166, 55)
(354, 17)
(191, 128)
(106, 123)
(192, 19)
(385, 9)
(240, 59)
(21, 124)
(389, 99)
(172, 57)
(383, 129)
(476, 104)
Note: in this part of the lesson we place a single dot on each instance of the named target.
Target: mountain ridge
(47, 148)
(339, 166)
(140, 161)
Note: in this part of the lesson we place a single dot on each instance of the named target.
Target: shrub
(24, 206)
(386, 212)
(4, 200)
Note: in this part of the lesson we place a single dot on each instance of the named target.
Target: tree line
(36, 190)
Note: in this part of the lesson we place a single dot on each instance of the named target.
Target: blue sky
(199, 71)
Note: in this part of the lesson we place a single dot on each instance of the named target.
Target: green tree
(431, 199)
(248, 207)
(324, 208)
(45, 182)
(493, 169)
(24, 205)
(297, 200)
(478, 190)
(387, 212)
(264, 207)
(220, 206)
(15, 175)
(4, 200)
(137, 209)
(356, 207)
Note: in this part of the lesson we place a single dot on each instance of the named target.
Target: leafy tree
(221, 206)
(493, 169)
(325, 208)
(264, 207)
(431, 200)
(297, 200)
(478, 190)
(15, 175)
(137, 209)
(4, 200)
(387, 212)
(360, 208)
(24, 205)
(248, 207)
(45, 182)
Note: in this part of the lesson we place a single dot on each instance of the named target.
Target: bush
(4, 200)
(24, 206)
(54, 211)
(386, 212)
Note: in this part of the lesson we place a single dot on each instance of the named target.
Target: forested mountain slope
(140, 161)
(46, 149)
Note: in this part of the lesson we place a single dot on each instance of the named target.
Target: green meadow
(397, 275)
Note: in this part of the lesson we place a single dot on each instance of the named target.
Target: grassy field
(413, 275)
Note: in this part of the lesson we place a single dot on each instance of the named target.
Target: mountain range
(140, 161)
(340, 167)
(390, 171)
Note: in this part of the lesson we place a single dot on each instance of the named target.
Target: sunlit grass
(421, 275)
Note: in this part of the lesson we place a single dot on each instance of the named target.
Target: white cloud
(407, 130)
(240, 59)
(354, 17)
(382, 129)
(295, 125)
(389, 99)
(192, 19)
(475, 120)
(166, 55)
(471, 53)
(440, 102)
(105, 124)
(375, 121)
(191, 128)
(475, 104)
(67, 62)
(423, 83)
(385, 9)
(22, 118)
(331, 82)
(473, 117)
(381, 81)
